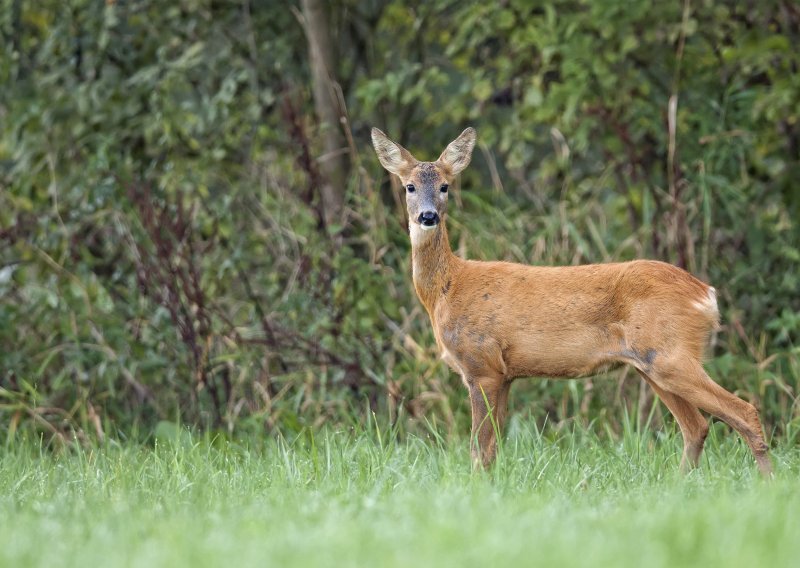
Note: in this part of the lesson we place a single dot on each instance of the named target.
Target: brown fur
(497, 321)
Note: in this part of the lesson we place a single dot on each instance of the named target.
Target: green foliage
(164, 257)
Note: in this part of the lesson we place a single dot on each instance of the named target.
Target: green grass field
(344, 498)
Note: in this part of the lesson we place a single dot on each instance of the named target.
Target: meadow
(370, 497)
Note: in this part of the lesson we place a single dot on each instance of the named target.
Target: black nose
(429, 218)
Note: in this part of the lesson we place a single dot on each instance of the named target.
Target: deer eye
(410, 187)
(444, 187)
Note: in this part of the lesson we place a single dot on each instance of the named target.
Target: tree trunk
(333, 164)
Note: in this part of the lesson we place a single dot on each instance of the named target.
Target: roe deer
(497, 321)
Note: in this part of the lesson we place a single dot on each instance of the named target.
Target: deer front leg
(487, 421)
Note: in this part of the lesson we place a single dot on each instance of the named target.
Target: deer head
(426, 183)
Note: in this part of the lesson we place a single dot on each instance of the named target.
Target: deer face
(426, 183)
(426, 194)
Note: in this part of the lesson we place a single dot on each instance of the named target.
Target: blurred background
(194, 228)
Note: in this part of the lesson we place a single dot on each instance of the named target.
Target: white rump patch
(708, 305)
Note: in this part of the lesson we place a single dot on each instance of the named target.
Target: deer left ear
(457, 155)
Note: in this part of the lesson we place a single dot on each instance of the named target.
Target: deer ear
(458, 153)
(393, 156)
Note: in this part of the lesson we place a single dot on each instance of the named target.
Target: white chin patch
(428, 227)
(420, 233)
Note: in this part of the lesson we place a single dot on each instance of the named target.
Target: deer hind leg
(693, 425)
(686, 379)
(483, 441)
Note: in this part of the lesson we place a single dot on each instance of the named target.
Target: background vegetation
(194, 228)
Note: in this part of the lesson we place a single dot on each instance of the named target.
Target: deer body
(498, 321)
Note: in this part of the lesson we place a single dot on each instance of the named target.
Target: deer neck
(433, 264)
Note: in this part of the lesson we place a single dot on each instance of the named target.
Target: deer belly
(560, 353)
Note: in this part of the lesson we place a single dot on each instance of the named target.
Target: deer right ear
(393, 156)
